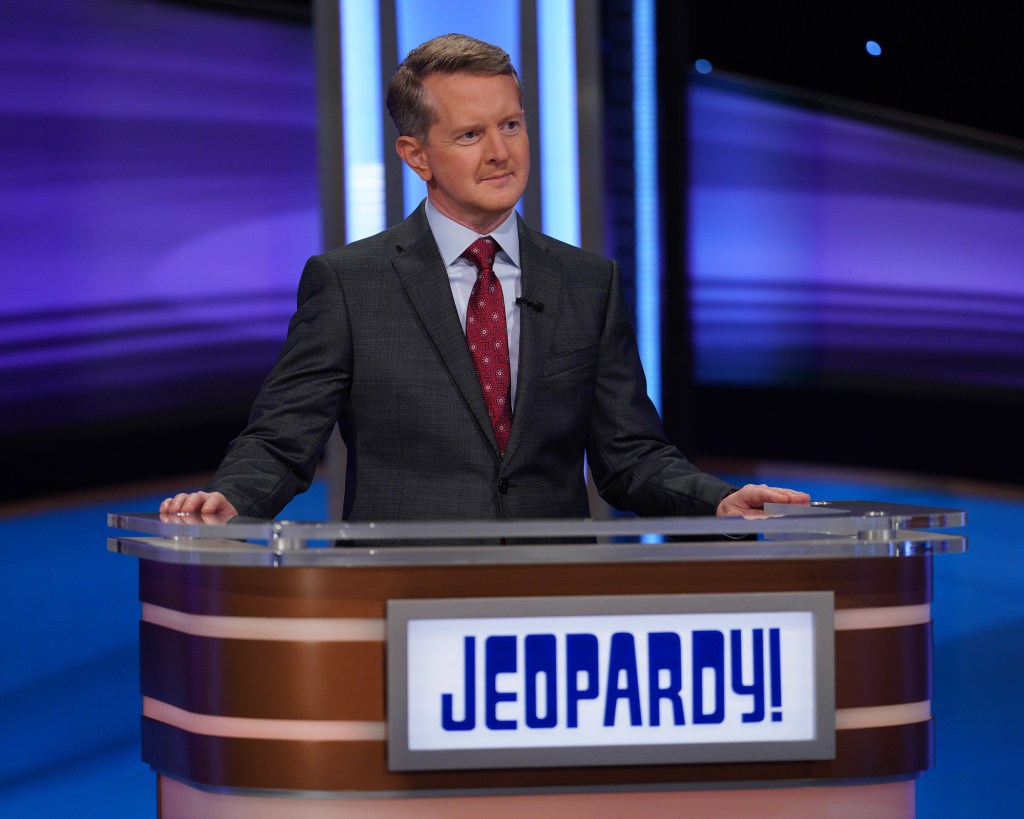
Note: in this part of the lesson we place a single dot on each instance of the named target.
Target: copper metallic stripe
(336, 680)
(265, 679)
(362, 592)
(883, 666)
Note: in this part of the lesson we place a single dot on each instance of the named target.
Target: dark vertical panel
(330, 149)
(591, 115)
(673, 129)
(389, 59)
(529, 76)
(619, 184)
(327, 35)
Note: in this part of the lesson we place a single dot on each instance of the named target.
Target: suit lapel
(541, 283)
(421, 270)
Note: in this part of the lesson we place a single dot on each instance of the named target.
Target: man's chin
(498, 206)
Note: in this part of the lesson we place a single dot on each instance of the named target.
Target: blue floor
(69, 700)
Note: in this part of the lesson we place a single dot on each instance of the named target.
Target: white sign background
(435, 656)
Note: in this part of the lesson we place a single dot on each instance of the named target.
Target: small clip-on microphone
(533, 305)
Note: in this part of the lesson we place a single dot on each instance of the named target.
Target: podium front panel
(267, 679)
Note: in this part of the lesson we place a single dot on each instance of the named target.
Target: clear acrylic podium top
(823, 530)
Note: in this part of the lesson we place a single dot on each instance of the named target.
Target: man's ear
(411, 152)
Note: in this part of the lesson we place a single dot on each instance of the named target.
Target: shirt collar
(452, 239)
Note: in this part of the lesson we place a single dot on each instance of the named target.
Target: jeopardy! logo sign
(574, 681)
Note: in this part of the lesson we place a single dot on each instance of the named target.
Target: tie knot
(481, 253)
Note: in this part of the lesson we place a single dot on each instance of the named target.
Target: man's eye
(468, 135)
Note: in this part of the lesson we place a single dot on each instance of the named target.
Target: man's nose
(495, 147)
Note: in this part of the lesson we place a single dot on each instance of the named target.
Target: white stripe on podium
(324, 629)
(887, 617)
(245, 728)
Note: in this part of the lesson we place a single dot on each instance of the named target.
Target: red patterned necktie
(488, 338)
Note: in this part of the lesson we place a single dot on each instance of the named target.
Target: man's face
(476, 158)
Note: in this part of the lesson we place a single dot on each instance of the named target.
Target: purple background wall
(830, 250)
(159, 196)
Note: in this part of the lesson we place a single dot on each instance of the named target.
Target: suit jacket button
(503, 487)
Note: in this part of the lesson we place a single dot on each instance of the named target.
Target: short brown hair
(447, 54)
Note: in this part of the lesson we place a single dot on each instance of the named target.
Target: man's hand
(750, 500)
(201, 503)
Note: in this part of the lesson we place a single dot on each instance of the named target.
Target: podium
(685, 666)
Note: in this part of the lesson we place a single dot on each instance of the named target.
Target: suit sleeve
(275, 457)
(634, 465)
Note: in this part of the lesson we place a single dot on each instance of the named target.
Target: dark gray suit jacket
(376, 346)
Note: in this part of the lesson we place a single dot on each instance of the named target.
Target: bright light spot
(873, 48)
(703, 66)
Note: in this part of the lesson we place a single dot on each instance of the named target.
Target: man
(436, 426)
